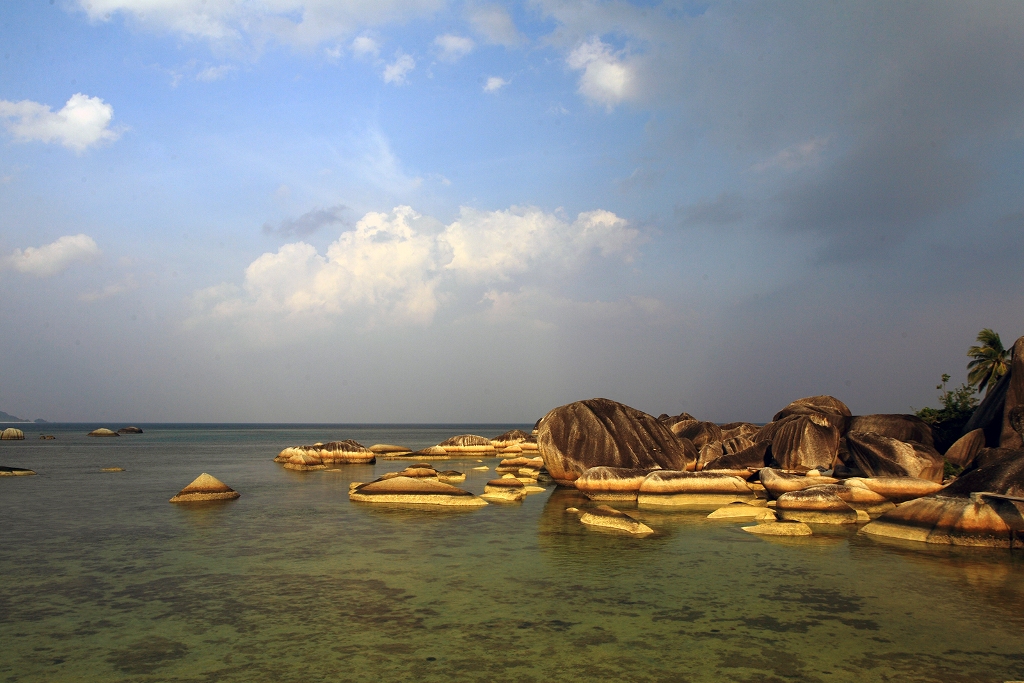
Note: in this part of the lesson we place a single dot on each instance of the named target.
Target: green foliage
(950, 470)
(947, 422)
(990, 361)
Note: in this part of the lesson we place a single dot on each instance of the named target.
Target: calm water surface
(104, 580)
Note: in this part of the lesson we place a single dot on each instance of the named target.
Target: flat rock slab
(779, 529)
(414, 491)
(14, 472)
(610, 518)
(742, 511)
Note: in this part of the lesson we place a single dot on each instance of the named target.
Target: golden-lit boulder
(670, 488)
(606, 517)
(102, 431)
(611, 483)
(205, 488)
(814, 505)
(784, 528)
(896, 489)
(414, 491)
(467, 443)
(776, 482)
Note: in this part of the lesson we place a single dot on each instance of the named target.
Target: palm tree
(991, 361)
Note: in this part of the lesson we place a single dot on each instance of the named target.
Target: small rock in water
(481, 469)
(779, 529)
(102, 431)
(610, 518)
(572, 510)
(205, 488)
(112, 469)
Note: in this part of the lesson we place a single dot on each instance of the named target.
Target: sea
(104, 580)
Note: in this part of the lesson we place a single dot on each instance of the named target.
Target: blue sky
(419, 210)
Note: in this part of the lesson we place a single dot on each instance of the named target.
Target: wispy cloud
(495, 25)
(452, 48)
(397, 71)
(606, 78)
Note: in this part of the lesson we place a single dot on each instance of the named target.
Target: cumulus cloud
(365, 46)
(452, 48)
(606, 78)
(308, 223)
(495, 25)
(296, 22)
(398, 267)
(83, 122)
(55, 257)
(396, 71)
(494, 84)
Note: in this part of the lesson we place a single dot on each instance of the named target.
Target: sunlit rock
(669, 488)
(102, 431)
(966, 448)
(204, 488)
(611, 483)
(782, 528)
(776, 482)
(835, 412)
(347, 452)
(504, 490)
(895, 426)
(451, 477)
(896, 489)
(607, 517)
(414, 491)
(814, 505)
(386, 450)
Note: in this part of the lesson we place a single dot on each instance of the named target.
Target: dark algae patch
(294, 583)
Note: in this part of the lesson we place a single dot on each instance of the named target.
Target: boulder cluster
(319, 455)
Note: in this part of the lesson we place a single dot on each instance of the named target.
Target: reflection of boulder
(598, 432)
(815, 506)
(801, 441)
(751, 457)
(467, 443)
(896, 489)
(129, 430)
(700, 433)
(611, 483)
(609, 518)
(964, 450)
(409, 490)
(961, 514)
(205, 488)
(777, 482)
(877, 455)
(895, 426)
(102, 431)
(834, 410)
(668, 488)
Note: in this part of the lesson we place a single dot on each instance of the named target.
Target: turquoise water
(104, 580)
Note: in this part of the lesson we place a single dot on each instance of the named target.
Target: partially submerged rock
(102, 431)
(784, 528)
(611, 483)
(14, 471)
(776, 482)
(129, 430)
(814, 505)
(388, 449)
(47, 437)
(303, 461)
(412, 491)
(347, 452)
(111, 469)
(467, 443)
(896, 489)
(434, 452)
(598, 432)
(668, 488)
(204, 488)
(504, 490)
(609, 518)
(451, 477)
(743, 511)
(509, 438)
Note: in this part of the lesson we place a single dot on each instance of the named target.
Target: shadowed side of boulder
(1009, 437)
(699, 433)
(598, 432)
(751, 457)
(409, 490)
(879, 455)
(966, 448)
(801, 441)
(895, 426)
(204, 488)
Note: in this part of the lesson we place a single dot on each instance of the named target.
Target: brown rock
(966, 448)
(451, 477)
(598, 432)
(609, 518)
(1010, 437)
(348, 452)
(205, 488)
(801, 441)
(513, 436)
(816, 506)
(302, 461)
(858, 498)
(733, 429)
(752, 457)
(611, 483)
(776, 482)
(389, 449)
(129, 430)
(668, 488)
(834, 410)
(900, 427)
(877, 455)
(736, 444)
(699, 433)
(896, 489)
(467, 443)
(15, 471)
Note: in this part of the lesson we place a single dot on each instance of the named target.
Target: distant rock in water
(347, 452)
(387, 449)
(509, 438)
(47, 437)
(467, 443)
(430, 452)
(599, 432)
(408, 490)
(14, 471)
(12, 434)
(205, 488)
(129, 430)
(451, 477)
(102, 431)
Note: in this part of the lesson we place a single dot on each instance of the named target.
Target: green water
(104, 580)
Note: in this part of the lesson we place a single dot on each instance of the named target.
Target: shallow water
(104, 580)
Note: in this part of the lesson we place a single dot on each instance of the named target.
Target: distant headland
(7, 417)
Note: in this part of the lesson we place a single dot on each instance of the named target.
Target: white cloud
(365, 46)
(55, 257)
(397, 70)
(84, 121)
(606, 78)
(794, 156)
(295, 22)
(452, 48)
(214, 73)
(494, 84)
(399, 267)
(495, 25)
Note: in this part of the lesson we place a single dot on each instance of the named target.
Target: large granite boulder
(467, 443)
(966, 448)
(12, 434)
(348, 452)
(815, 506)
(733, 429)
(962, 513)
(205, 488)
(878, 455)
(611, 483)
(414, 491)
(1010, 437)
(776, 482)
(895, 426)
(801, 441)
(835, 410)
(699, 433)
(670, 488)
(752, 457)
(599, 432)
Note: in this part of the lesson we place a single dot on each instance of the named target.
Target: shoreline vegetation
(953, 475)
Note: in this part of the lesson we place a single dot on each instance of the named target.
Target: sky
(434, 211)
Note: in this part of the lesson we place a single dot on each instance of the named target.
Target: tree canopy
(990, 360)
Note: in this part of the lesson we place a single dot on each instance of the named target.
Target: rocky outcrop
(670, 488)
(340, 452)
(966, 448)
(779, 529)
(896, 489)
(12, 434)
(877, 455)
(389, 450)
(434, 452)
(301, 461)
(413, 491)
(731, 430)
(504, 490)
(205, 488)
(962, 513)
(1010, 437)
(467, 443)
(129, 430)
(752, 457)
(905, 428)
(509, 438)
(816, 505)
(776, 482)
(611, 483)
(607, 517)
(699, 433)
(102, 431)
(801, 441)
(834, 410)
(598, 432)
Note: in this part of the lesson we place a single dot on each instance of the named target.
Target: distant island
(7, 417)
